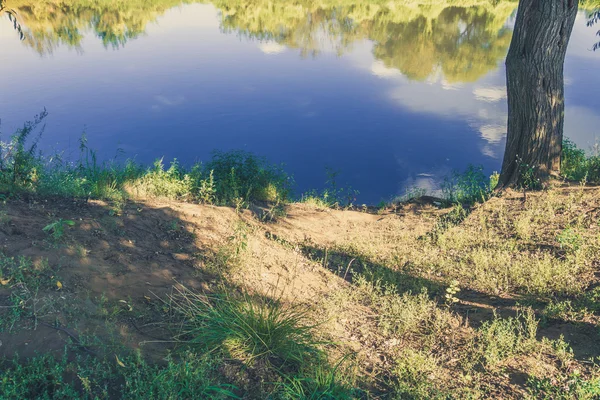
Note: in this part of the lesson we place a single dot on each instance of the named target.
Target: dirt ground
(107, 276)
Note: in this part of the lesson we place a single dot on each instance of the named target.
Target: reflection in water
(464, 43)
(49, 24)
(417, 89)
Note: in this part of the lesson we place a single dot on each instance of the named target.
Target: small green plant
(451, 292)
(569, 239)
(528, 177)
(207, 192)
(494, 180)
(57, 228)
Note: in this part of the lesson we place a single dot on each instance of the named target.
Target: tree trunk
(535, 86)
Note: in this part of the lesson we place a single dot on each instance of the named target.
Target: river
(393, 95)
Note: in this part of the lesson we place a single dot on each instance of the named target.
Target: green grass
(248, 328)
(321, 382)
(130, 377)
(228, 178)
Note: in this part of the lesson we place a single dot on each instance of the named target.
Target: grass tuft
(246, 327)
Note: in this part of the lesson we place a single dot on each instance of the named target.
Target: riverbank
(123, 281)
(162, 299)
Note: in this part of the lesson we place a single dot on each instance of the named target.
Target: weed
(416, 373)
(57, 228)
(451, 292)
(569, 386)
(569, 239)
(332, 196)
(504, 338)
(528, 176)
(207, 192)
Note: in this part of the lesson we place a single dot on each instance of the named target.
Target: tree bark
(535, 87)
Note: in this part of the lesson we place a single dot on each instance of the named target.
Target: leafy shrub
(238, 174)
(577, 166)
(467, 187)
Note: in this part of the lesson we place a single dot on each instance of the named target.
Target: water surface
(392, 95)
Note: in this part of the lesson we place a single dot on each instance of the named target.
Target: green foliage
(248, 328)
(44, 377)
(241, 175)
(41, 378)
(332, 196)
(577, 166)
(467, 187)
(229, 178)
(19, 162)
(319, 382)
(569, 239)
(502, 338)
(57, 228)
(190, 376)
(529, 177)
(571, 386)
